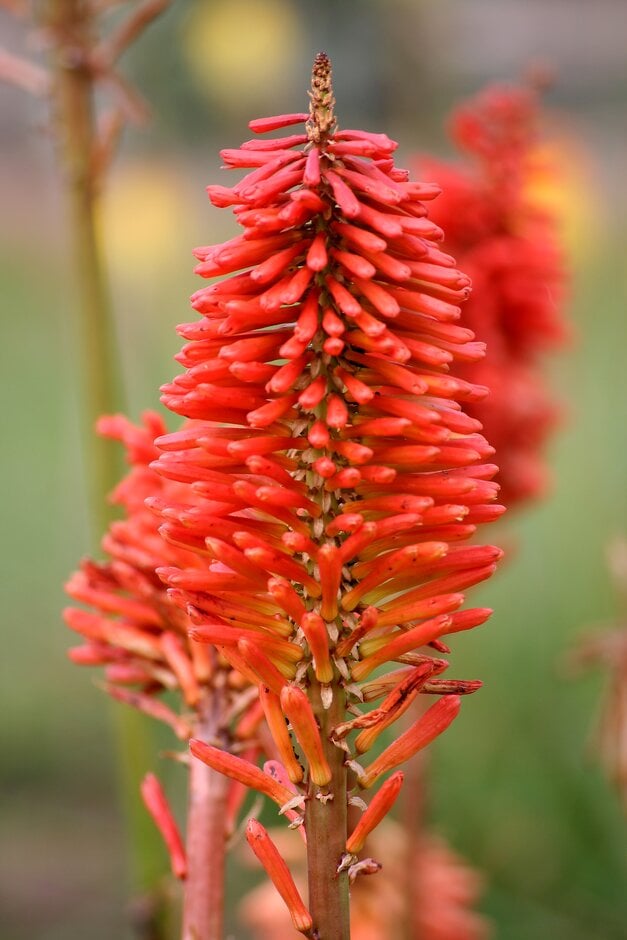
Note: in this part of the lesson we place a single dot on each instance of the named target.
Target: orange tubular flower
(379, 806)
(267, 853)
(159, 808)
(512, 252)
(241, 770)
(335, 468)
(299, 712)
(434, 721)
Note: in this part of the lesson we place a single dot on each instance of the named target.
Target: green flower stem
(74, 122)
(69, 25)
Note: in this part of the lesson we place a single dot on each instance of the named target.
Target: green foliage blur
(515, 788)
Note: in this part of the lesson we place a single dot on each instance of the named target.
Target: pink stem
(203, 906)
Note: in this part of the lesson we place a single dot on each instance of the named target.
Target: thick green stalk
(326, 827)
(69, 24)
(74, 121)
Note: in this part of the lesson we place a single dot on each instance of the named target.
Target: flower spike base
(332, 476)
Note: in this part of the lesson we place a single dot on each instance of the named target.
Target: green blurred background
(514, 787)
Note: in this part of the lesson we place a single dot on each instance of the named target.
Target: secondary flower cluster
(511, 251)
(335, 473)
(137, 630)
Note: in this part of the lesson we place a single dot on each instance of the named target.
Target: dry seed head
(321, 121)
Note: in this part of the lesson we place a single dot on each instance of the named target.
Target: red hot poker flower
(337, 472)
(511, 251)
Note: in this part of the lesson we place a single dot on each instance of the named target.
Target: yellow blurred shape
(561, 182)
(141, 214)
(241, 51)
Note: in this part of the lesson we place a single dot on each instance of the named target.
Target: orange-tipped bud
(235, 559)
(337, 413)
(347, 522)
(115, 632)
(275, 719)
(411, 558)
(325, 467)
(138, 611)
(343, 480)
(330, 567)
(221, 634)
(422, 732)
(318, 435)
(401, 643)
(380, 805)
(285, 595)
(353, 545)
(235, 659)
(278, 872)
(242, 770)
(299, 712)
(416, 610)
(261, 665)
(316, 635)
(156, 803)
(297, 542)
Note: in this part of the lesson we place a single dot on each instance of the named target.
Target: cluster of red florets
(511, 251)
(139, 631)
(335, 472)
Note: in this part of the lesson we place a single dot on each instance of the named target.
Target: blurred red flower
(511, 250)
(441, 887)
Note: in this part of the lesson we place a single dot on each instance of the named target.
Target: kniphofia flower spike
(511, 249)
(337, 472)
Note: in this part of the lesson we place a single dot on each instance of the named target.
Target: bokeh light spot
(242, 51)
(142, 207)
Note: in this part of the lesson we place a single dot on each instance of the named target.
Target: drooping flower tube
(511, 249)
(336, 472)
(137, 631)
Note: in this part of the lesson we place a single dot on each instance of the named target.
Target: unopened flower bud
(299, 712)
(278, 872)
